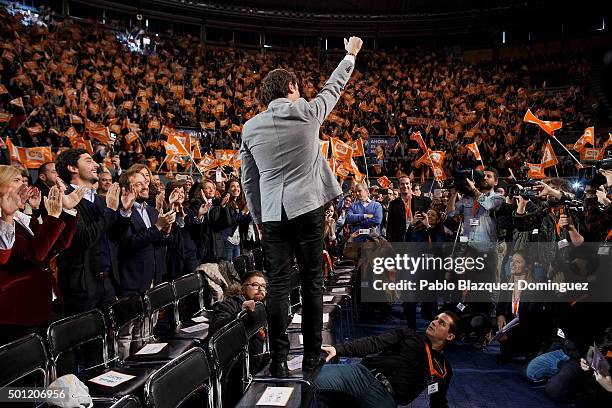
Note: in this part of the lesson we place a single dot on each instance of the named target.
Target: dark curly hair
(276, 84)
(67, 158)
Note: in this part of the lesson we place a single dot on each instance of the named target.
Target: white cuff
(72, 212)
(125, 214)
(350, 58)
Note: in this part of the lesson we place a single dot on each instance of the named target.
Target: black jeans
(302, 238)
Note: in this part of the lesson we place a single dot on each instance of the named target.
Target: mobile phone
(181, 177)
(218, 177)
(364, 231)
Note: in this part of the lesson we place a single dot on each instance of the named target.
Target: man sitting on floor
(405, 365)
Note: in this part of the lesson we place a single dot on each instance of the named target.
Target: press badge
(603, 250)
(535, 232)
(432, 388)
(463, 239)
(474, 222)
(460, 306)
(562, 244)
(560, 333)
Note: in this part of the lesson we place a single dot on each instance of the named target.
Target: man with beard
(88, 269)
(142, 251)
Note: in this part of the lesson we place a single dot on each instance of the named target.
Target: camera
(460, 177)
(523, 188)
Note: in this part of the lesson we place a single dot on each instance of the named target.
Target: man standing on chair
(287, 181)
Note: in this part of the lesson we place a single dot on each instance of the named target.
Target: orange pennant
(547, 126)
(549, 158)
(357, 147)
(384, 182)
(473, 147)
(587, 137)
(536, 171)
(340, 150)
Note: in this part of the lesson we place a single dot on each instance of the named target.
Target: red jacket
(26, 280)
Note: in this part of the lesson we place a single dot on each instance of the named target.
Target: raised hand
(174, 196)
(9, 204)
(69, 201)
(159, 201)
(53, 203)
(128, 198)
(35, 198)
(353, 45)
(225, 200)
(112, 197)
(204, 208)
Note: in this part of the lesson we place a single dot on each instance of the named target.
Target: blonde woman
(26, 280)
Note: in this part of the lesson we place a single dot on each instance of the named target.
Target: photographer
(597, 210)
(556, 221)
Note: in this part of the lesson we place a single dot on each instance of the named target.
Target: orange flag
(549, 158)
(35, 130)
(547, 126)
(100, 132)
(536, 171)
(71, 133)
(324, 145)
(174, 147)
(590, 153)
(587, 137)
(607, 142)
(153, 124)
(438, 172)
(207, 163)
(197, 154)
(357, 147)
(17, 102)
(3, 90)
(131, 137)
(4, 117)
(165, 130)
(431, 158)
(473, 147)
(33, 157)
(416, 136)
(340, 150)
(75, 119)
(384, 182)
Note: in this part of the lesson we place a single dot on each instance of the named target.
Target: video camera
(460, 177)
(523, 188)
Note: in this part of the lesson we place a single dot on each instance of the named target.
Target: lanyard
(557, 226)
(475, 207)
(516, 298)
(433, 371)
(408, 210)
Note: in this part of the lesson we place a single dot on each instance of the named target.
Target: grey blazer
(282, 163)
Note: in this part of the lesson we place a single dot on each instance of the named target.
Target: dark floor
(478, 381)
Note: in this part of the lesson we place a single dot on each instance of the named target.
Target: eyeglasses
(257, 286)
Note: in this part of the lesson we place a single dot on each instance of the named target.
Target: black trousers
(301, 238)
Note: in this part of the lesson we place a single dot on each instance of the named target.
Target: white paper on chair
(111, 379)
(295, 363)
(301, 337)
(195, 328)
(325, 317)
(328, 298)
(343, 281)
(338, 290)
(297, 319)
(200, 319)
(152, 348)
(275, 396)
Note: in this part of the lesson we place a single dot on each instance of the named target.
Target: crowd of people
(180, 82)
(99, 224)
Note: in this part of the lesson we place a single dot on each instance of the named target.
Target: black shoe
(311, 367)
(279, 369)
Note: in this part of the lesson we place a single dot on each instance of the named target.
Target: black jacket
(142, 254)
(210, 245)
(226, 311)
(181, 257)
(79, 264)
(403, 360)
(396, 217)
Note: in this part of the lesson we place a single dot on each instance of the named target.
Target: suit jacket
(396, 219)
(79, 264)
(282, 163)
(142, 254)
(26, 279)
(209, 239)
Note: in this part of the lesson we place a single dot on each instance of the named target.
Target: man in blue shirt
(364, 213)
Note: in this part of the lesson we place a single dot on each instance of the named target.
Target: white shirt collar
(24, 220)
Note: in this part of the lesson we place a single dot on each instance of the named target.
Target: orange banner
(546, 125)
(587, 137)
(549, 158)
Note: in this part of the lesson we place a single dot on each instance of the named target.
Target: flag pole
(568, 152)
(25, 121)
